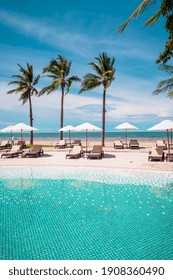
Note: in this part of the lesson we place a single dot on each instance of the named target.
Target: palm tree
(165, 86)
(104, 69)
(165, 10)
(145, 4)
(26, 87)
(59, 70)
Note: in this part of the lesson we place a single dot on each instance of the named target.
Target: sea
(140, 135)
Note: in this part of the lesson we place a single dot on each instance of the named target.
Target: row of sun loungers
(77, 152)
(157, 153)
(63, 144)
(133, 144)
(4, 145)
(17, 150)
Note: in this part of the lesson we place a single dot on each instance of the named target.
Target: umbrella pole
(86, 138)
(11, 138)
(126, 135)
(168, 140)
(69, 138)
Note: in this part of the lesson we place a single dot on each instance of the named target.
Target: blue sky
(37, 31)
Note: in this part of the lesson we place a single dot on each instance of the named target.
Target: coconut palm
(165, 86)
(165, 10)
(26, 87)
(59, 71)
(104, 69)
(145, 4)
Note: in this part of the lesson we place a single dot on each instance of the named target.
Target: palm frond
(170, 94)
(167, 68)
(36, 79)
(24, 96)
(74, 79)
(68, 84)
(139, 10)
(20, 77)
(58, 70)
(151, 21)
(104, 73)
(12, 91)
(69, 81)
(89, 86)
(14, 82)
(54, 85)
(164, 86)
(96, 67)
(90, 81)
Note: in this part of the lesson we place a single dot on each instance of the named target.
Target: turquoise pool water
(78, 213)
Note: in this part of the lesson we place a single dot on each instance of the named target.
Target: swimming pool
(85, 213)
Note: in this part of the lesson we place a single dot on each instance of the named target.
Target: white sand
(120, 159)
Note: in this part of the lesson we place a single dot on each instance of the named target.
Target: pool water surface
(60, 213)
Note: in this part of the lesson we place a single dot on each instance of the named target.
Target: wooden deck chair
(97, 152)
(61, 144)
(4, 145)
(14, 152)
(161, 143)
(35, 152)
(134, 144)
(156, 154)
(118, 145)
(75, 152)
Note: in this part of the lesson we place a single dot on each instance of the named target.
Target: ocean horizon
(92, 135)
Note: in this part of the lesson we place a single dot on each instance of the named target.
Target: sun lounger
(35, 152)
(5, 145)
(118, 145)
(61, 144)
(97, 152)
(76, 142)
(21, 143)
(75, 152)
(156, 154)
(14, 152)
(161, 143)
(169, 157)
(134, 144)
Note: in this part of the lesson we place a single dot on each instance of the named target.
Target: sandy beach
(135, 159)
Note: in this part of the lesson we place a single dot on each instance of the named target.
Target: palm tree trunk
(103, 117)
(62, 112)
(31, 119)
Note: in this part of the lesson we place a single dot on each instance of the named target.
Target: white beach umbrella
(126, 126)
(87, 127)
(8, 129)
(67, 128)
(164, 125)
(22, 127)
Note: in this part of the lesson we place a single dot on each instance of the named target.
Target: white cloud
(125, 101)
(129, 97)
(76, 41)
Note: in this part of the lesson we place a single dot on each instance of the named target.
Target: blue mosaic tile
(85, 213)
